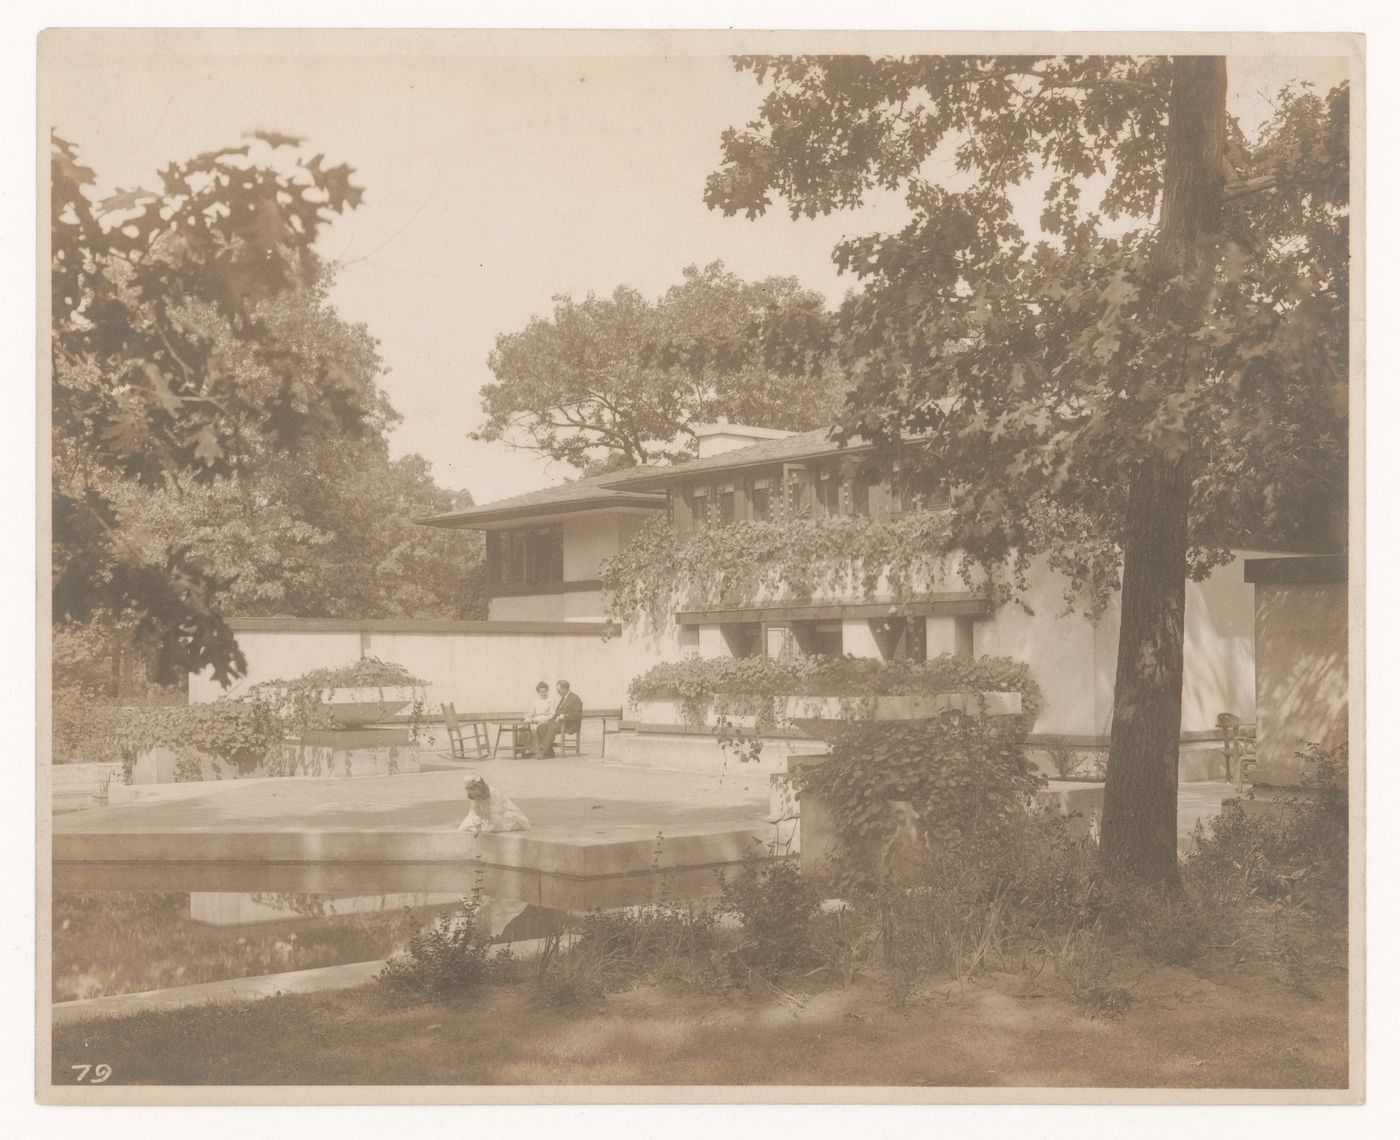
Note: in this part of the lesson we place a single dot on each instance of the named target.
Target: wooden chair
(576, 736)
(1238, 743)
(480, 742)
(609, 732)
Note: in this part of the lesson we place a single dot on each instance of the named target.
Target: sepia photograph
(640, 565)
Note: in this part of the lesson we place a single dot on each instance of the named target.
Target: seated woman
(566, 717)
(541, 709)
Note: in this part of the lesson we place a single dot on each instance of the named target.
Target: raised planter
(350, 708)
(827, 717)
(817, 717)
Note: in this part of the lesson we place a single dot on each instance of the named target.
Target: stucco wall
(1059, 650)
(1075, 660)
(476, 672)
(574, 605)
(1301, 642)
(588, 540)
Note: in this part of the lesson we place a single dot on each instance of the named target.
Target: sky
(497, 174)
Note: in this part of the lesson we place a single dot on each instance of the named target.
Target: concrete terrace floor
(566, 800)
(570, 800)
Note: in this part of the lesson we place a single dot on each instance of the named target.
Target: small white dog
(490, 812)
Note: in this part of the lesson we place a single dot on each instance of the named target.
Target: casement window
(901, 639)
(818, 638)
(525, 556)
(700, 508)
(779, 641)
(860, 485)
(905, 498)
(726, 504)
(828, 491)
(797, 491)
(742, 637)
(761, 500)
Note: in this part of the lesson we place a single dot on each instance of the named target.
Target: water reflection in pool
(122, 928)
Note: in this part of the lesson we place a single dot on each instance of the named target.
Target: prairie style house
(544, 551)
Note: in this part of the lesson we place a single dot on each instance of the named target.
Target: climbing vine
(966, 779)
(248, 731)
(301, 704)
(846, 555)
(752, 686)
(241, 733)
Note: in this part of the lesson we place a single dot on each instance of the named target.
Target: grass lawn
(1223, 1027)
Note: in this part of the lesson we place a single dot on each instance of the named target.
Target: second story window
(700, 508)
(726, 501)
(828, 487)
(526, 556)
(761, 500)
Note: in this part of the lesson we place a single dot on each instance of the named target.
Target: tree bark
(1139, 816)
(1139, 819)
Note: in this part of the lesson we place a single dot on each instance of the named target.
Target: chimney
(716, 438)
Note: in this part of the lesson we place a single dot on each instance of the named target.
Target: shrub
(777, 911)
(450, 956)
(1294, 852)
(84, 726)
(241, 733)
(966, 779)
(613, 950)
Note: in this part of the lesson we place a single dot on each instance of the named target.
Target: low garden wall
(479, 666)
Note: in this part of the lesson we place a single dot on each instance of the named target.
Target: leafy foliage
(1175, 380)
(302, 703)
(1035, 373)
(751, 684)
(162, 365)
(245, 734)
(615, 950)
(967, 779)
(328, 530)
(249, 731)
(777, 911)
(450, 957)
(1294, 851)
(365, 672)
(592, 380)
(845, 555)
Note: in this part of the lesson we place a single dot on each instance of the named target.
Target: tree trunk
(1139, 816)
(1139, 820)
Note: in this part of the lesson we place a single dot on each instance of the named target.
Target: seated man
(567, 715)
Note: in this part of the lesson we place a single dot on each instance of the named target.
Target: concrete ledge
(513, 850)
(693, 752)
(233, 989)
(119, 793)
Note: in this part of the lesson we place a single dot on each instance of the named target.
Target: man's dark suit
(568, 715)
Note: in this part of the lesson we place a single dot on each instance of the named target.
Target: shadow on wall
(1220, 650)
(1302, 674)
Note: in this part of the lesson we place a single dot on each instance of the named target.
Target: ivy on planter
(967, 779)
(241, 733)
(248, 732)
(300, 704)
(752, 686)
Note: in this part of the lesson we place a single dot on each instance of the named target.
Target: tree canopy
(218, 432)
(1175, 349)
(592, 386)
